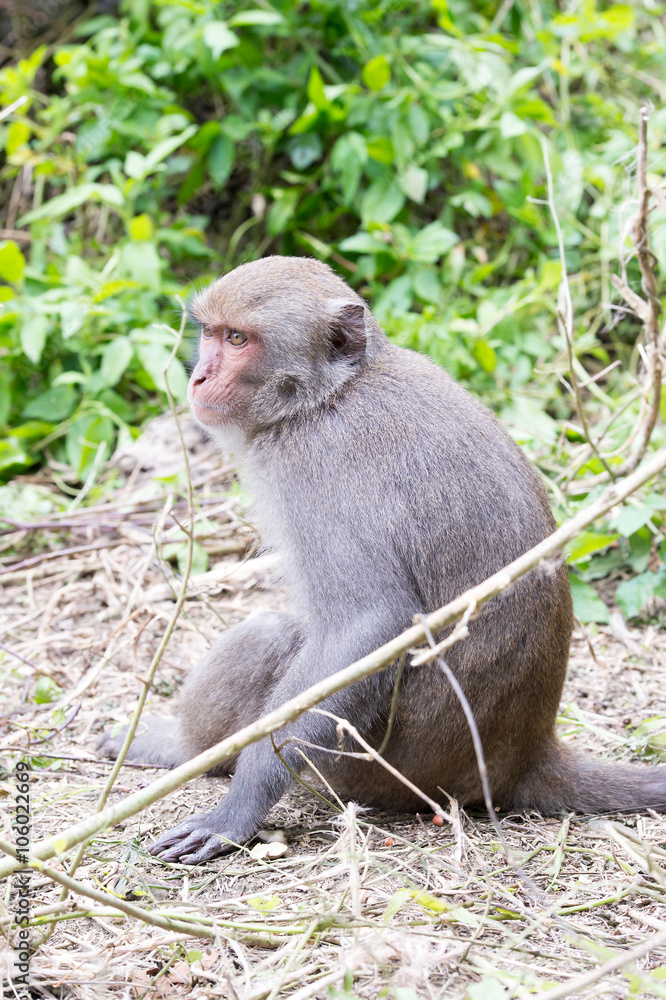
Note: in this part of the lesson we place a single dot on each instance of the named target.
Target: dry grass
(363, 903)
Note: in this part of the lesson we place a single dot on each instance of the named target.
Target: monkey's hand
(197, 839)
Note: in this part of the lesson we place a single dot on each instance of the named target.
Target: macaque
(386, 490)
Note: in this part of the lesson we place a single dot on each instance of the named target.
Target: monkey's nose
(199, 381)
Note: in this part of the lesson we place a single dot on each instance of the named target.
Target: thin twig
(648, 311)
(196, 928)
(147, 681)
(13, 106)
(618, 962)
(566, 319)
(371, 753)
(646, 261)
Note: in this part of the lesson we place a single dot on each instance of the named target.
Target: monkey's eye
(206, 333)
(236, 338)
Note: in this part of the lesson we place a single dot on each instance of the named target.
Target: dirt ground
(359, 903)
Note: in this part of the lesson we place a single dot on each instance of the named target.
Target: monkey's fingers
(190, 843)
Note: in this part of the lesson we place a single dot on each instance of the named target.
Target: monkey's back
(409, 470)
(421, 495)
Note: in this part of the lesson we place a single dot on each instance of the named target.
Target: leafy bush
(401, 143)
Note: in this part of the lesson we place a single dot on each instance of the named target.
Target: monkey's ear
(348, 335)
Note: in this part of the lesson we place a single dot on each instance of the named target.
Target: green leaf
(178, 551)
(376, 73)
(12, 262)
(381, 149)
(220, 160)
(5, 396)
(154, 358)
(511, 125)
(382, 201)
(17, 135)
(194, 180)
(656, 500)
(140, 228)
(33, 337)
(526, 75)
(264, 903)
(251, 18)
(395, 903)
(414, 182)
(650, 734)
(135, 165)
(473, 202)
(143, 263)
(588, 606)
(631, 518)
(282, 210)
(72, 317)
(167, 147)
(316, 90)
(113, 288)
(633, 595)
(304, 150)
(429, 902)
(116, 357)
(488, 989)
(526, 420)
(56, 404)
(85, 436)
(586, 543)
(431, 243)
(219, 38)
(364, 243)
(12, 455)
(62, 204)
(427, 285)
(485, 355)
(349, 156)
(32, 429)
(46, 690)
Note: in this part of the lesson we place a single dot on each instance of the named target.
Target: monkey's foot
(156, 742)
(197, 839)
(109, 746)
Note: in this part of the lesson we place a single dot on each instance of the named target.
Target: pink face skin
(214, 392)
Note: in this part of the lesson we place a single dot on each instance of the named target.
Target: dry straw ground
(362, 904)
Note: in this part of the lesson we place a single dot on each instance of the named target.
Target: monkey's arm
(261, 779)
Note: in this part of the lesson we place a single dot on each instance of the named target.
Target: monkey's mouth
(207, 413)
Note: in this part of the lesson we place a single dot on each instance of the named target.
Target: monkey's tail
(566, 780)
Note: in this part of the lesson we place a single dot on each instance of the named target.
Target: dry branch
(648, 310)
(566, 318)
(617, 962)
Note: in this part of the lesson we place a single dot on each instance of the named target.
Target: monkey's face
(278, 336)
(225, 376)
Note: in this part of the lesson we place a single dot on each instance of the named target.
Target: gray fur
(387, 490)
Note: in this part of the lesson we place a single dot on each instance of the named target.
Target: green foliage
(588, 607)
(632, 595)
(650, 737)
(401, 143)
(46, 691)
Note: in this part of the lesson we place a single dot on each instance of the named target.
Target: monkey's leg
(260, 779)
(157, 742)
(226, 691)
